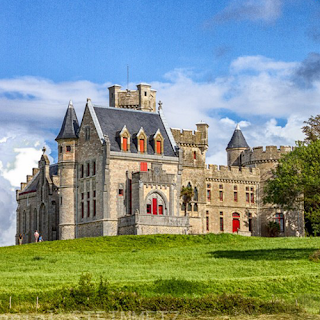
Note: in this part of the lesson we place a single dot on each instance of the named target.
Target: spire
(237, 140)
(70, 125)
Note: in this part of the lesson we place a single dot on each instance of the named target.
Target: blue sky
(256, 62)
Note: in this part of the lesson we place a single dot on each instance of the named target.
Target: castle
(122, 169)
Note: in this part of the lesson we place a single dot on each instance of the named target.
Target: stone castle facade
(122, 169)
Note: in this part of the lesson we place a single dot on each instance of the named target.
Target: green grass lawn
(268, 268)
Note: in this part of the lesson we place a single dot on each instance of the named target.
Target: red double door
(155, 208)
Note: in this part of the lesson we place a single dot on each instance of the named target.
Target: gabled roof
(70, 125)
(237, 140)
(112, 121)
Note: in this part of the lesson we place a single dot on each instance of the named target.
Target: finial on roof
(238, 127)
(44, 149)
(70, 104)
(160, 105)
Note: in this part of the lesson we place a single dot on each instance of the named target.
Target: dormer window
(158, 142)
(125, 139)
(141, 141)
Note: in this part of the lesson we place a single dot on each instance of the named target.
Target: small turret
(67, 146)
(236, 146)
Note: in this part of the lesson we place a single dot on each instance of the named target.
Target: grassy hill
(161, 265)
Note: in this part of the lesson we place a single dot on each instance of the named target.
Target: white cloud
(259, 92)
(252, 10)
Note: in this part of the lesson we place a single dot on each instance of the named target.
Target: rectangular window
(220, 186)
(235, 187)
(221, 223)
(149, 208)
(88, 169)
(143, 166)
(221, 213)
(250, 224)
(247, 197)
(94, 193)
(208, 185)
(82, 210)
(235, 196)
(82, 171)
(94, 168)
(161, 209)
(221, 195)
(141, 142)
(125, 144)
(207, 223)
(208, 195)
(194, 155)
(88, 208)
(94, 207)
(280, 219)
(87, 133)
(82, 196)
(252, 197)
(120, 192)
(247, 188)
(154, 205)
(68, 148)
(252, 189)
(88, 195)
(130, 196)
(158, 147)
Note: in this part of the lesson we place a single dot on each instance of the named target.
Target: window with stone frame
(87, 133)
(158, 142)
(125, 139)
(155, 204)
(142, 141)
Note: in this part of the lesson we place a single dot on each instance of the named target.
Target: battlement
(144, 98)
(197, 137)
(29, 178)
(232, 173)
(260, 154)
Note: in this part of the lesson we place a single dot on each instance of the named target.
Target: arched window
(195, 196)
(24, 222)
(195, 207)
(183, 207)
(156, 205)
(125, 139)
(141, 141)
(158, 142)
(189, 206)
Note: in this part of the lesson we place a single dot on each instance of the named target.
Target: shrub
(315, 256)
(273, 228)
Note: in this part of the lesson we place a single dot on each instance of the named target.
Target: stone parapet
(187, 137)
(267, 154)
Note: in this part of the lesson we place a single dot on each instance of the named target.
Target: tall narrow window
(87, 133)
(160, 209)
(194, 155)
(221, 223)
(94, 207)
(208, 195)
(280, 219)
(207, 223)
(141, 143)
(82, 210)
(94, 168)
(235, 196)
(130, 196)
(195, 196)
(252, 197)
(88, 169)
(88, 208)
(82, 171)
(250, 222)
(148, 208)
(221, 195)
(158, 147)
(125, 144)
(247, 197)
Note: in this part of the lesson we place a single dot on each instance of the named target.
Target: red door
(235, 222)
(235, 225)
(154, 205)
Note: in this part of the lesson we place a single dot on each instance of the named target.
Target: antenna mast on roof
(127, 76)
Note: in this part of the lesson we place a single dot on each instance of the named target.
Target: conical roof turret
(237, 140)
(70, 124)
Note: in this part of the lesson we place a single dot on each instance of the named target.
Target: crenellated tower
(67, 162)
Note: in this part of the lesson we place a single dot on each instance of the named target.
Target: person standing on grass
(40, 239)
(20, 239)
(36, 236)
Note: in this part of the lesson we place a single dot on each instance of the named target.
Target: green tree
(312, 129)
(186, 194)
(296, 182)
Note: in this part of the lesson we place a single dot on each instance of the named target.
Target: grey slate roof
(112, 121)
(237, 140)
(33, 186)
(70, 125)
(53, 170)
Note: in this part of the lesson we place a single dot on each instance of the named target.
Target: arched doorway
(235, 222)
(156, 204)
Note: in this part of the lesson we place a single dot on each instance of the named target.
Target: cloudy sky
(253, 62)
